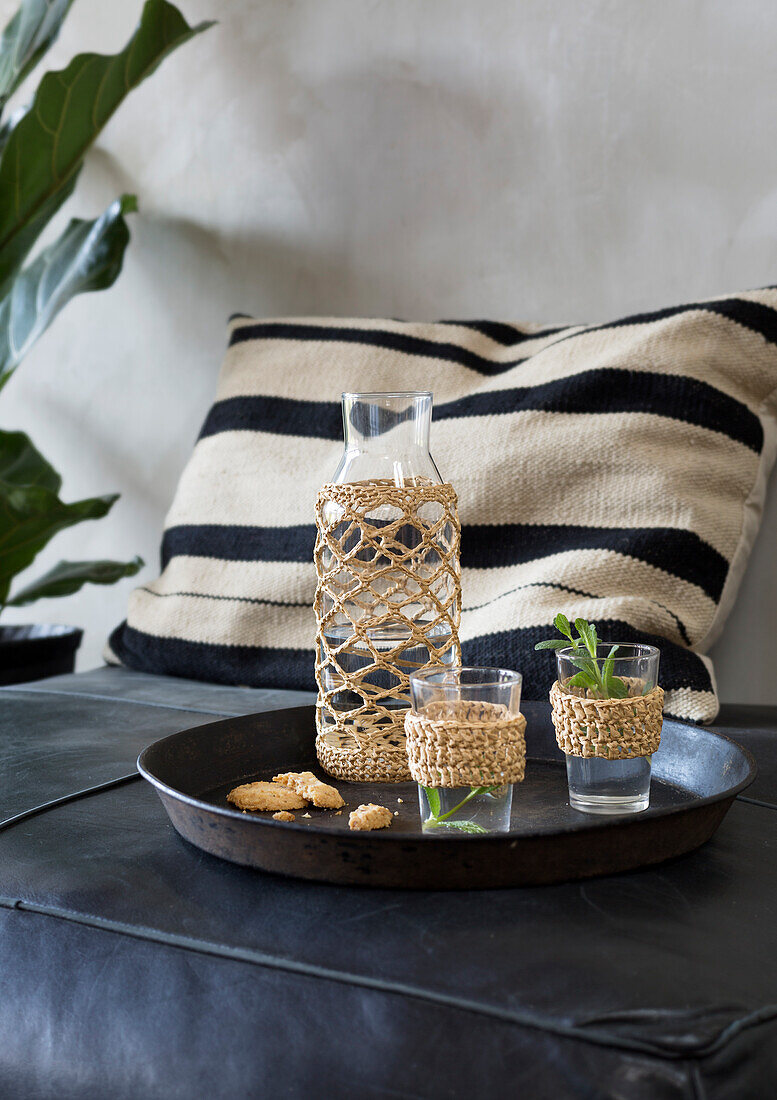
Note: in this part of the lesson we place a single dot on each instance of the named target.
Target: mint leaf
(588, 665)
(617, 688)
(553, 643)
(461, 826)
(581, 679)
(587, 634)
(561, 623)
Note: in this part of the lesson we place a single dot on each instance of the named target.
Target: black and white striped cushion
(611, 471)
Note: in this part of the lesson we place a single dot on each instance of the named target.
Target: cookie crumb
(400, 800)
(396, 813)
(283, 815)
(306, 815)
(307, 786)
(369, 816)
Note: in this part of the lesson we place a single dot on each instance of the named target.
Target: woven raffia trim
(466, 744)
(369, 577)
(612, 729)
(341, 757)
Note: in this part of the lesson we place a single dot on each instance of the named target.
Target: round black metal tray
(696, 776)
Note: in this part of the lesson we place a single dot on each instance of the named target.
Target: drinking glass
(598, 785)
(443, 693)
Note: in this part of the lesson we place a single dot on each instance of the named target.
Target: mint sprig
(442, 821)
(594, 673)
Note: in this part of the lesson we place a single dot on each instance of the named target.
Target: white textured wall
(554, 160)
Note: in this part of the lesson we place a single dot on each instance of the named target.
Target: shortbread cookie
(265, 796)
(370, 817)
(283, 815)
(305, 784)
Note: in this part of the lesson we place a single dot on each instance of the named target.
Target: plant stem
(472, 792)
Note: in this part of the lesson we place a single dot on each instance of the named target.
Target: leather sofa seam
(756, 802)
(73, 796)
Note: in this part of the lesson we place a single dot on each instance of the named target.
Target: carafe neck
(387, 438)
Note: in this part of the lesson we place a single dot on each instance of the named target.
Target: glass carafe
(379, 611)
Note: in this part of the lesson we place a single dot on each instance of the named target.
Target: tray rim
(595, 821)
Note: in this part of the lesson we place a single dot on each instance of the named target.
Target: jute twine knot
(466, 744)
(611, 729)
(388, 583)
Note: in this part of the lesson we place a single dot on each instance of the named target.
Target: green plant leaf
(461, 826)
(433, 798)
(561, 623)
(22, 464)
(607, 667)
(587, 634)
(26, 38)
(467, 826)
(87, 256)
(553, 643)
(68, 576)
(616, 688)
(581, 679)
(587, 665)
(7, 125)
(45, 151)
(30, 517)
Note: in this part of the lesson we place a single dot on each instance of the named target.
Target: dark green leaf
(87, 256)
(22, 464)
(433, 798)
(44, 153)
(29, 517)
(7, 125)
(68, 576)
(25, 40)
(553, 643)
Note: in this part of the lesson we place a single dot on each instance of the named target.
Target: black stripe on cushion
(752, 315)
(391, 341)
(681, 553)
(506, 335)
(245, 666)
(607, 390)
(277, 416)
(215, 540)
(257, 666)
